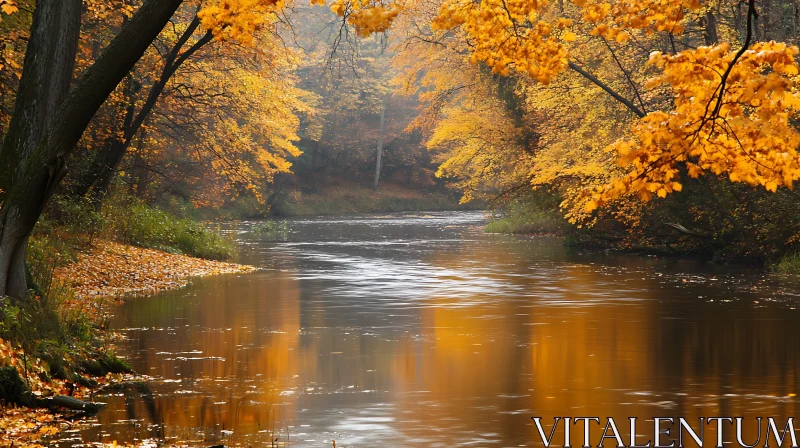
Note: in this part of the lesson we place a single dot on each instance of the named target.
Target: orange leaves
(647, 15)
(25, 427)
(114, 270)
(507, 35)
(8, 7)
(367, 16)
(751, 139)
(238, 19)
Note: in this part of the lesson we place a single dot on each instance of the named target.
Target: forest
(137, 129)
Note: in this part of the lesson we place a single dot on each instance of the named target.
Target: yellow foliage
(750, 139)
(8, 7)
(238, 19)
(367, 16)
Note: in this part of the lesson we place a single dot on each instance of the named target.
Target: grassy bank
(351, 198)
(533, 214)
(130, 221)
(789, 264)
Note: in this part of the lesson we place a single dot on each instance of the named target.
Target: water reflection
(423, 331)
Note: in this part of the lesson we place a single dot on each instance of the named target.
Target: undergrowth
(59, 336)
(271, 228)
(534, 213)
(789, 264)
(128, 220)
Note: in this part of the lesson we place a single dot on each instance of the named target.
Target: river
(421, 330)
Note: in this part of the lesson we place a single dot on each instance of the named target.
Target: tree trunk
(380, 148)
(49, 63)
(32, 166)
(111, 160)
(140, 172)
(710, 31)
(100, 174)
(103, 160)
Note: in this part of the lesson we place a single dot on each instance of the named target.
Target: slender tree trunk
(32, 163)
(380, 147)
(100, 174)
(112, 158)
(140, 172)
(710, 31)
(103, 160)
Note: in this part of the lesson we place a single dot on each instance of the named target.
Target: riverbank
(341, 197)
(665, 235)
(60, 346)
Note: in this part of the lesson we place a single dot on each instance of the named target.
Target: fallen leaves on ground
(26, 427)
(114, 270)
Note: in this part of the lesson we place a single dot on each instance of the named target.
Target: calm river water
(421, 330)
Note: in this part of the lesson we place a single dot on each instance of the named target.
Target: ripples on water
(421, 330)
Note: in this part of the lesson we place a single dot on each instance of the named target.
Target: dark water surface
(421, 330)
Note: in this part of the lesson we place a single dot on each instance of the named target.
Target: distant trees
(609, 105)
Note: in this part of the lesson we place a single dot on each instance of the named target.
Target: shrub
(134, 222)
(534, 213)
(789, 264)
(270, 227)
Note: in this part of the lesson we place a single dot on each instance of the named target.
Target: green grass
(542, 223)
(137, 223)
(131, 221)
(789, 264)
(535, 213)
(270, 228)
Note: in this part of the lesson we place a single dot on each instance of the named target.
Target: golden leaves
(367, 16)
(568, 36)
(25, 427)
(8, 7)
(238, 19)
(751, 138)
(507, 35)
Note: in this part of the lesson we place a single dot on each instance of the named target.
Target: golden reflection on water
(231, 375)
(248, 358)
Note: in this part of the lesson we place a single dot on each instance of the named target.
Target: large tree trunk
(30, 167)
(49, 63)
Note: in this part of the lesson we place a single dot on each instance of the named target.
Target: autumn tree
(49, 117)
(218, 90)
